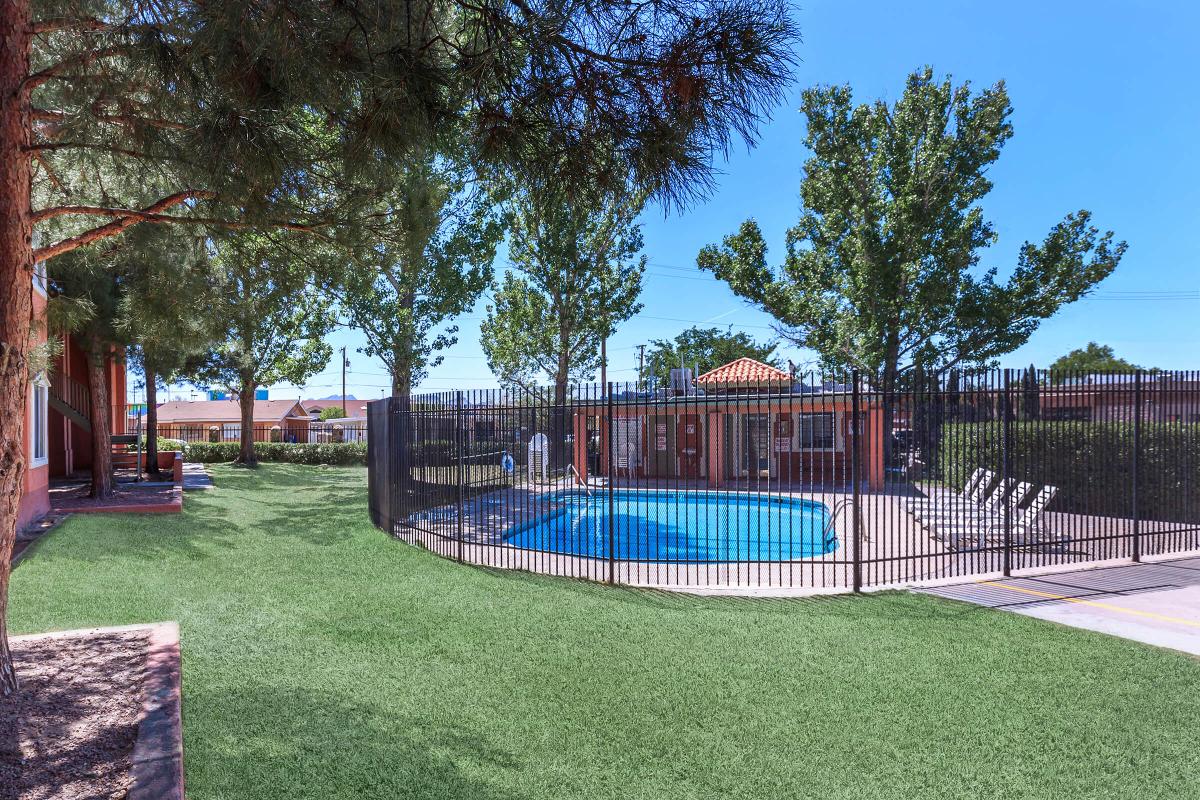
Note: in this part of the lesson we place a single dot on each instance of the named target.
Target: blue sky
(1105, 116)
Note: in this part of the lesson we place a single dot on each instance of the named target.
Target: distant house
(355, 409)
(193, 420)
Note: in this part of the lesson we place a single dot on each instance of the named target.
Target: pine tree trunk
(246, 454)
(151, 420)
(16, 276)
(102, 467)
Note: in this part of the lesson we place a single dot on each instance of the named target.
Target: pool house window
(816, 432)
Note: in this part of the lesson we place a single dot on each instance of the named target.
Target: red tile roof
(265, 411)
(745, 370)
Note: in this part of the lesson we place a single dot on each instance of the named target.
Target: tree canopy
(578, 274)
(882, 272)
(275, 316)
(1094, 358)
(705, 349)
(429, 260)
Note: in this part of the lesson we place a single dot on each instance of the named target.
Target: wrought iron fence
(819, 481)
(294, 432)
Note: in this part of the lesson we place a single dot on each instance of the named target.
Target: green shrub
(347, 454)
(1091, 463)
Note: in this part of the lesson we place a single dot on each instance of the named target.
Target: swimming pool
(679, 526)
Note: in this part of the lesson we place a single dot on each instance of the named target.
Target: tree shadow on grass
(288, 742)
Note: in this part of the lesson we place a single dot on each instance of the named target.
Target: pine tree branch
(126, 219)
(55, 24)
(80, 60)
(48, 115)
(44, 146)
(151, 214)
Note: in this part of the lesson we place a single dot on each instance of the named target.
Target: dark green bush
(1091, 463)
(337, 454)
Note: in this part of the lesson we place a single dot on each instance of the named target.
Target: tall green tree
(430, 258)
(1094, 358)
(163, 314)
(275, 312)
(238, 114)
(577, 275)
(706, 349)
(881, 273)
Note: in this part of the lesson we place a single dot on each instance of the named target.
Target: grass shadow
(326, 745)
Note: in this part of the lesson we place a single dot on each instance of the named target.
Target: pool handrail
(838, 505)
(587, 490)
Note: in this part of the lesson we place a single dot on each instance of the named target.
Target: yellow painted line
(1107, 606)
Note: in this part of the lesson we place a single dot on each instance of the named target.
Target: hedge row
(1091, 464)
(337, 454)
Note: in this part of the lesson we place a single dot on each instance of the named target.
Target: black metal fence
(294, 432)
(820, 481)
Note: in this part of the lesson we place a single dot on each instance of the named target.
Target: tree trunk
(562, 375)
(891, 369)
(246, 455)
(151, 420)
(16, 287)
(401, 371)
(102, 468)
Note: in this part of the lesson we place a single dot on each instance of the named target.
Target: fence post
(612, 515)
(458, 442)
(1006, 467)
(856, 479)
(1136, 467)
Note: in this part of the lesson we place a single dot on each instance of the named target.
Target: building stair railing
(72, 399)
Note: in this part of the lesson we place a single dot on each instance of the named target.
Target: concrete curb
(158, 750)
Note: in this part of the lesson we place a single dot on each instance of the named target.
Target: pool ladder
(838, 505)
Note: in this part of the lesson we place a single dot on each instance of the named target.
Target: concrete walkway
(1157, 603)
(195, 476)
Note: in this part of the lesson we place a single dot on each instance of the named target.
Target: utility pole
(642, 364)
(343, 381)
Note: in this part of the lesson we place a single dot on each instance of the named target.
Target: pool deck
(896, 550)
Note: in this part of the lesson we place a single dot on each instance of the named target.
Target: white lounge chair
(1025, 524)
(983, 500)
(972, 492)
(1007, 493)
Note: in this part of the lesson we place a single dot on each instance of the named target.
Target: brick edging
(158, 752)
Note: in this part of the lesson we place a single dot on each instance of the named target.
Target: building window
(39, 445)
(815, 432)
(231, 431)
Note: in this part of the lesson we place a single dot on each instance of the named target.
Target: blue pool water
(679, 526)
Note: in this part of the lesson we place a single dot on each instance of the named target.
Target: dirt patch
(70, 732)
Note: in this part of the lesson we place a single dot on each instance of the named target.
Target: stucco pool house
(745, 423)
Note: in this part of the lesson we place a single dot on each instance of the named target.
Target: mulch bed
(132, 497)
(70, 732)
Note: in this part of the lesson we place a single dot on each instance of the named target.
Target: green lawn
(324, 659)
